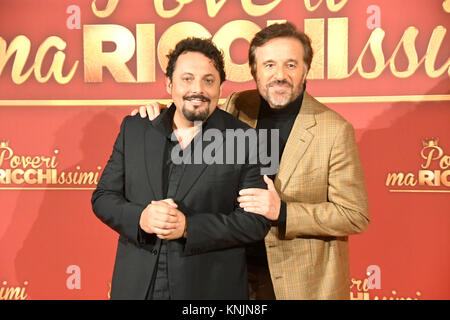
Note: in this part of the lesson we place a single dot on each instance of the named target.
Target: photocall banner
(70, 70)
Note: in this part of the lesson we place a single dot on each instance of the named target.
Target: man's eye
(291, 65)
(187, 79)
(209, 81)
(269, 65)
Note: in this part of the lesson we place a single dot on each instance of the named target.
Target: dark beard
(193, 115)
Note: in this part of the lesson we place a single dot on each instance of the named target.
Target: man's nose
(280, 73)
(197, 86)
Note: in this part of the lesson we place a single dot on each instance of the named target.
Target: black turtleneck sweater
(282, 119)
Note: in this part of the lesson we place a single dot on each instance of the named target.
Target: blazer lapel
(155, 144)
(192, 172)
(298, 142)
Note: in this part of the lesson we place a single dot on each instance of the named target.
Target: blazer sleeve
(346, 211)
(108, 200)
(209, 232)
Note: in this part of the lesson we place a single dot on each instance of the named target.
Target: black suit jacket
(210, 262)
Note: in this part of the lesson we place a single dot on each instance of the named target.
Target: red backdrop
(71, 70)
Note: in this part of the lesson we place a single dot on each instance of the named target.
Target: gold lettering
(110, 7)
(2, 176)
(86, 178)
(163, 13)
(14, 162)
(331, 5)
(335, 7)
(57, 62)
(13, 293)
(408, 43)
(5, 154)
(214, 7)
(427, 153)
(445, 178)
(315, 29)
(426, 177)
(53, 163)
(337, 48)
(400, 179)
(49, 176)
(410, 180)
(20, 46)
(95, 59)
(174, 34)
(445, 162)
(145, 52)
(27, 176)
(310, 7)
(62, 178)
(375, 45)
(224, 38)
(256, 10)
(433, 48)
(5, 176)
(14, 176)
(338, 52)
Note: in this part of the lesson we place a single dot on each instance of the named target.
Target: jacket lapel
(297, 143)
(155, 144)
(192, 172)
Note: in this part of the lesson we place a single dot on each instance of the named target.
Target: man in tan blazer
(318, 197)
(320, 180)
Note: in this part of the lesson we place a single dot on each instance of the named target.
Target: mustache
(279, 82)
(197, 97)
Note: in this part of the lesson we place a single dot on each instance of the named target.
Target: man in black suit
(182, 232)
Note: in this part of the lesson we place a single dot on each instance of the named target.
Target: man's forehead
(193, 62)
(281, 47)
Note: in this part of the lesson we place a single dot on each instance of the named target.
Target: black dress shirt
(172, 174)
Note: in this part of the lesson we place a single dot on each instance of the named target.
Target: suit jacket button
(154, 252)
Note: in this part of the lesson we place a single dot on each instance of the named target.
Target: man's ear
(305, 73)
(169, 86)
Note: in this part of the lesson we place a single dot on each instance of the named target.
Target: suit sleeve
(209, 232)
(346, 211)
(108, 200)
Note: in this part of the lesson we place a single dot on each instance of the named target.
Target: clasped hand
(163, 219)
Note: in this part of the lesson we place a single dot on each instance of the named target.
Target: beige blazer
(321, 179)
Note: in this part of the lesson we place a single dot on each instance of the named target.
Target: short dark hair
(279, 30)
(193, 44)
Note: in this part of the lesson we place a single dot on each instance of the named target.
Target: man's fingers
(153, 110)
(250, 204)
(143, 111)
(244, 199)
(251, 192)
(163, 232)
(165, 225)
(171, 202)
(269, 182)
(163, 207)
(134, 112)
